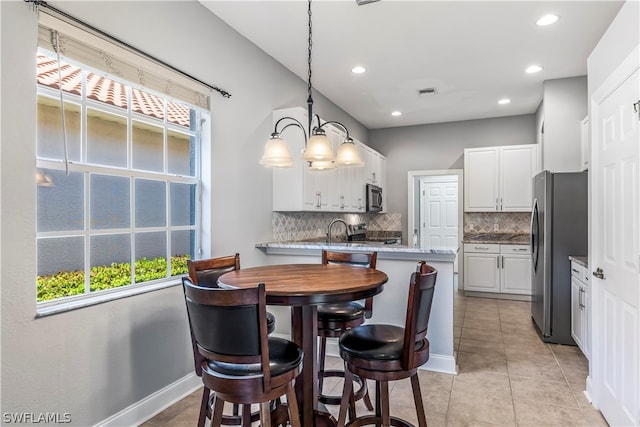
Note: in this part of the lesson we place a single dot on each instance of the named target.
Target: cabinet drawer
(577, 271)
(488, 248)
(515, 249)
(585, 276)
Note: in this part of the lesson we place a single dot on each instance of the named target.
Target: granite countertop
(365, 245)
(582, 260)
(502, 238)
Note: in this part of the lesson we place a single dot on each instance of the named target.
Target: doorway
(434, 212)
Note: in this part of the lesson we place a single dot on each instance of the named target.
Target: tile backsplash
(508, 222)
(292, 226)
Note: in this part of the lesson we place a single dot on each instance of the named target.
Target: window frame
(202, 139)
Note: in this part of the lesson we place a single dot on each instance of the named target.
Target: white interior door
(615, 250)
(439, 214)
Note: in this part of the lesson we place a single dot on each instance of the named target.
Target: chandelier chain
(309, 51)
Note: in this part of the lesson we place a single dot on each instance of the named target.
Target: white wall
(565, 105)
(441, 146)
(615, 45)
(96, 361)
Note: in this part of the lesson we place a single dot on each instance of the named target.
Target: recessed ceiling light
(547, 20)
(396, 113)
(504, 101)
(533, 69)
(358, 70)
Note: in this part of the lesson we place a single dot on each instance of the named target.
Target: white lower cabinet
(580, 308)
(497, 268)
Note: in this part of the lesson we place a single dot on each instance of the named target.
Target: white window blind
(118, 62)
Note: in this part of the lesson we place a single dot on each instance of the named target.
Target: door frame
(413, 201)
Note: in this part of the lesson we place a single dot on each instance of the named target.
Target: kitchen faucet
(346, 232)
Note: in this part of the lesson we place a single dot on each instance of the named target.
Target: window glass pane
(148, 146)
(110, 261)
(102, 89)
(106, 138)
(151, 252)
(181, 153)
(50, 134)
(60, 267)
(110, 202)
(60, 200)
(47, 75)
(151, 208)
(183, 244)
(179, 114)
(145, 103)
(183, 204)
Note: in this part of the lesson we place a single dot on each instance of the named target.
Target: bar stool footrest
(335, 400)
(374, 420)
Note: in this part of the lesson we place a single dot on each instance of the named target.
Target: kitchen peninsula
(398, 262)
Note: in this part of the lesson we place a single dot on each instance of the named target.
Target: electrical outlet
(319, 232)
(472, 226)
(495, 227)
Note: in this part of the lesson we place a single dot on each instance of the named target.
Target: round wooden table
(303, 286)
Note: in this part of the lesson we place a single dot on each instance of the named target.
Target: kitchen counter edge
(582, 260)
(384, 251)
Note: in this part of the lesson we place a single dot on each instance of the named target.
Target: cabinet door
(311, 194)
(481, 272)
(481, 179)
(518, 165)
(336, 178)
(576, 312)
(586, 321)
(515, 274)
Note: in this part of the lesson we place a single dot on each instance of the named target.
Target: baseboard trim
(441, 363)
(153, 404)
(588, 393)
(436, 363)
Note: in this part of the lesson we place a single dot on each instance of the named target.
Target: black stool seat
(378, 342)
(271, 322)
(284, 356)
(341, 312)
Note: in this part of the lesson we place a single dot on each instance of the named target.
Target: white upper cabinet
(481, 173)
(498, 179)
(337, 190)
(518, 165)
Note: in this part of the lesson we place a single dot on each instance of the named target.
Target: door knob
(599, 273)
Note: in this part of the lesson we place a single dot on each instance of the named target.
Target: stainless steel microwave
(374, 198)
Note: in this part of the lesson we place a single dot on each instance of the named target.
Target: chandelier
(317, 152)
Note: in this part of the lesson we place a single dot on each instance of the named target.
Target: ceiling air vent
(363, 2)
(428, 91)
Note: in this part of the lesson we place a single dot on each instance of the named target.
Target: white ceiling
(473, 52)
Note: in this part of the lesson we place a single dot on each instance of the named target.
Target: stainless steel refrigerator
(558, 230)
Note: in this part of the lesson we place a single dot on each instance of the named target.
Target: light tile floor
(507, 377)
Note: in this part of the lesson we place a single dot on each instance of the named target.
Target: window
(123, 209)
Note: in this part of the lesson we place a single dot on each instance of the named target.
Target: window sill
(73, 303)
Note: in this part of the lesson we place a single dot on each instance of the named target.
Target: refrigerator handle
(534, 234)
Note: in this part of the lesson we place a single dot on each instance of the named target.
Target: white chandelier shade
(276, 153)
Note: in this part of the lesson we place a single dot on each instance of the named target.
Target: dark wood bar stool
(240, 363)
(335, 319)
(205, 273)
(387, 353)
